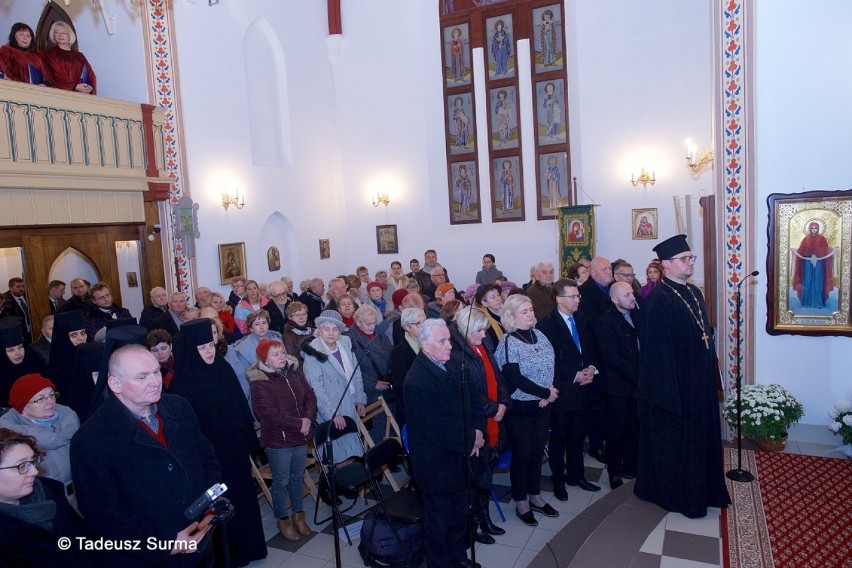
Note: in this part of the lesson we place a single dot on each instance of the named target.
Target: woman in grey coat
(35, 413)
(329, 363)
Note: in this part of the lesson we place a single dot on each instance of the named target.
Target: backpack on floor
(383, 547)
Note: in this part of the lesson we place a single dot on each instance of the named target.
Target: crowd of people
(592, 363)
(61, 65)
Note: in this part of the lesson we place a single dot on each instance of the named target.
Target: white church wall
(217, 137)
(637, 89)
(643, 86)
(804, 130)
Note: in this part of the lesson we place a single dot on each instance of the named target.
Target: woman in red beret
(35, 413)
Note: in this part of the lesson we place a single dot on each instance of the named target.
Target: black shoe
(616, 483)
(487, 525)
(466, 563)
(545, 510)
(628, 476)
(483, 537)
(598, 455)
(527, 518)
(479, 533)
(560, 492)
(584, 485)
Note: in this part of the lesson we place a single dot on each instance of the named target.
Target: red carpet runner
(796, 514)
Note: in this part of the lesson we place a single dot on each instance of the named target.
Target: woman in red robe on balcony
(19, 60)
(65, 68)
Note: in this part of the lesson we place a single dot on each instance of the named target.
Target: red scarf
(492, 428)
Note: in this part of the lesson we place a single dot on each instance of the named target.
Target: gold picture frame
(232, 261)
(808, 263)
(644, 224)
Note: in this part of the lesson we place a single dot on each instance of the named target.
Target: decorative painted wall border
(159, 36)
(736, 192)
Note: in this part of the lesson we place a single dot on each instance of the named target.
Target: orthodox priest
(680, 453)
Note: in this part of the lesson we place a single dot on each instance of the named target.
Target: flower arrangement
(841, 420)
(768, 411)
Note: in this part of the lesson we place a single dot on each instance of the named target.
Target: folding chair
(402, 507)
(348, 478)
(391, 430)
(263, 473)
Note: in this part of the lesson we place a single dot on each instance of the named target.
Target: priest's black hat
(671, 246)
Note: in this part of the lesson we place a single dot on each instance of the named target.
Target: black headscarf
(63, 353)
(11, 336)
(212, 389)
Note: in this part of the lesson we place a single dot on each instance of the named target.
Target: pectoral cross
(706, 338)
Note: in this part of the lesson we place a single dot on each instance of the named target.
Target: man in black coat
(56, 295)
(539, 291)
(623, 271)
(80, 299)
(172, 318)
(595, 292)
(575, 372)
(618, 346)
(439, 446)
(155, 310)
(312, 298)
(42, 346)
(279, 299)
(139, 462)
(103, 310)
(15, 306)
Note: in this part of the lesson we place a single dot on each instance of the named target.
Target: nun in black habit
(18, 358)
(207, 381)
(69, 332)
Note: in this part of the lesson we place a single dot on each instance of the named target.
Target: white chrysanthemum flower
(847, 419)
(834, 427)
(843, 405)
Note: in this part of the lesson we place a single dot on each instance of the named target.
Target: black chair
(404, 506)
(348, 478)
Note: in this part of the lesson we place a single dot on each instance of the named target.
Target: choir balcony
(67, 158)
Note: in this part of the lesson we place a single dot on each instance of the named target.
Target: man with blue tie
(575, 371)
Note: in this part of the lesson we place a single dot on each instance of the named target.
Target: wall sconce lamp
(643, 178)
(382, 198)
(697, 159)
(236, 201)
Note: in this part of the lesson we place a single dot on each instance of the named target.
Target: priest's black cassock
(680, 454)
(226, 421)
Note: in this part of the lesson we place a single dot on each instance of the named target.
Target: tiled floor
(606, 529)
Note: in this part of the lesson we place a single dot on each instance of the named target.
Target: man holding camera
(138, 463)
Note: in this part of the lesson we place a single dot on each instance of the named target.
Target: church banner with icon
(576, 235)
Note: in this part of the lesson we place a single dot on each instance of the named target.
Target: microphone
(363, 356)
(747, 276)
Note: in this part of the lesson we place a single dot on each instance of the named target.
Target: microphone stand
(739, 474)
(328, 445)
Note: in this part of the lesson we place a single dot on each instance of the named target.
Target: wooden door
(43, 245)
